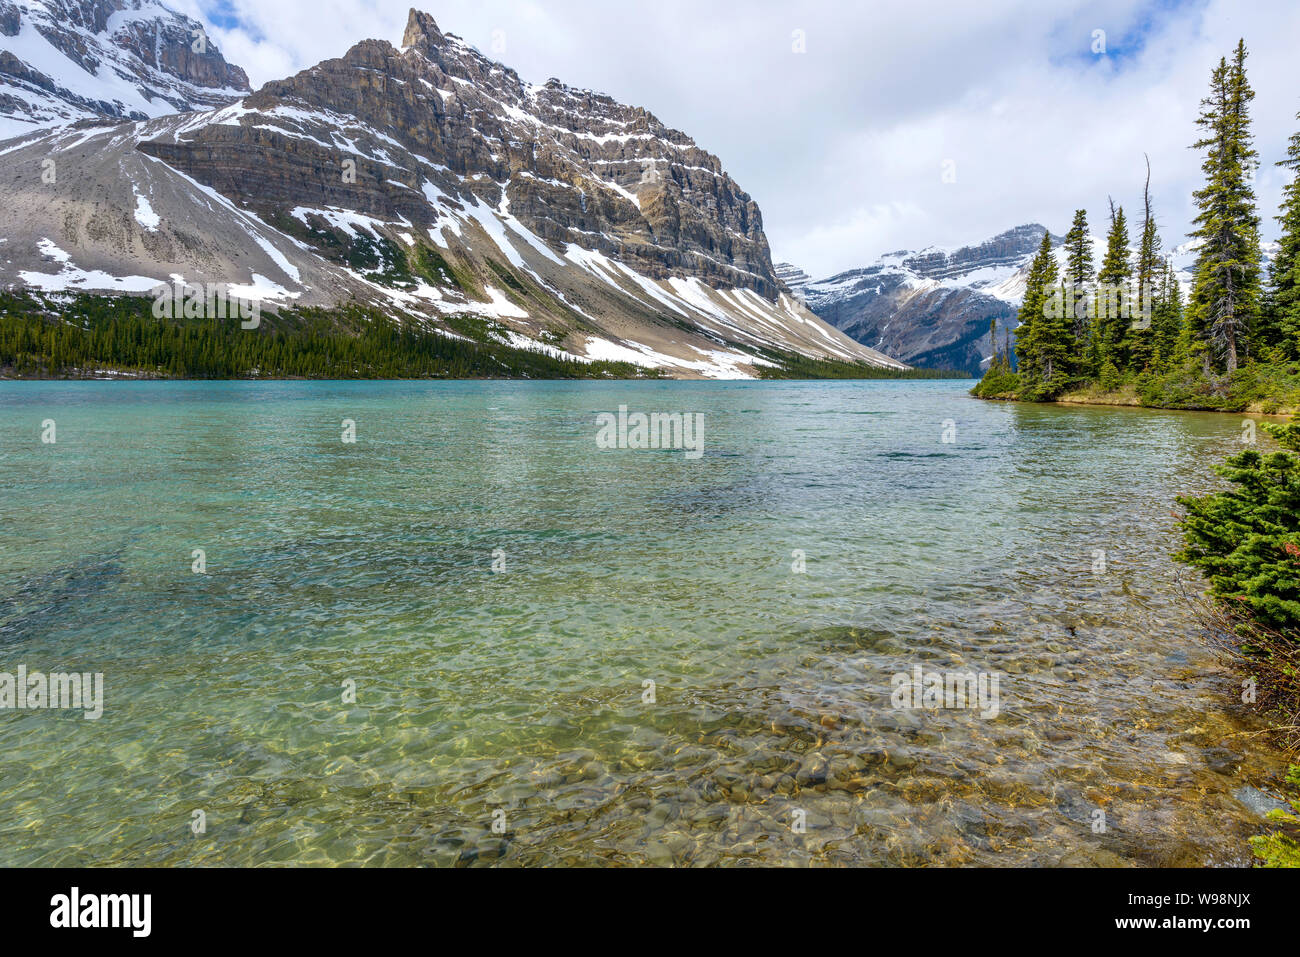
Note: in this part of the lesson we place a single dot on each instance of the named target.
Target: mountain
(793, 277)
(932, 308)
(1184, 259)
(433, 183)
(66, 60)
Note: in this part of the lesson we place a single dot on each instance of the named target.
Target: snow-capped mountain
(932, 308)
(66, 60)
(431, 182)
(792, 276)
(1184, 259)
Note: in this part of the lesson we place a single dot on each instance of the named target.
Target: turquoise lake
(505, 715)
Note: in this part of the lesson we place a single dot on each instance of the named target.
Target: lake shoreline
(647, 376)
(1258, 388)
(1119, 401)
(1243, 658)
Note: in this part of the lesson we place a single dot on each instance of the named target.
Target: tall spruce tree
(1224, 307)
(1029, 321)
(1078, 279)
(1140, 339)
(1115, 273)
(1043, 335)
(1167, 320)
(1284, 278)
(1211, 122)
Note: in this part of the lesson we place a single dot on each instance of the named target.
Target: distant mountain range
(932, 308)
(425, 180)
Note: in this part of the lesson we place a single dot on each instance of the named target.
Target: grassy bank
(1262, 388)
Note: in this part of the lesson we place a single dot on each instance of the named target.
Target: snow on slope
(932, 308)
(66, 60)
(610, 235)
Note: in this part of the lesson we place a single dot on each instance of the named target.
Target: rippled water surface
(520, 697)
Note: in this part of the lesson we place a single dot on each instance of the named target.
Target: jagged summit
(572, 165)
(421, 30)
(1003, 250)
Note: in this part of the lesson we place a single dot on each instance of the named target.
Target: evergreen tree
(1246, 540)
(1093, 361)
(1115, 272)
(1224, 308)
(1167, 320)
(1078, 280)
(1140, 344)
(1042, 333)
(1028, 323)
(1026, 329)
(1284, 279)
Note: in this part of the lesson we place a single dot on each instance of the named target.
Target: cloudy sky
(862, 128)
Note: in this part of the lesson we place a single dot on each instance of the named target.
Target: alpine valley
(424, 182)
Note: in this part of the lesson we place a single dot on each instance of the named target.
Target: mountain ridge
(932, 308)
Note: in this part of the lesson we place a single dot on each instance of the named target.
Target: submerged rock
(1259, 802)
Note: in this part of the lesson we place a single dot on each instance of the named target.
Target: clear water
(523, 693)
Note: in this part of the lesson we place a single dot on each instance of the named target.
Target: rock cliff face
(573, 166)
(65, 60)
(933, 308)
(432, 183)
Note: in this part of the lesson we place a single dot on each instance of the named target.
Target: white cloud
(844, 146)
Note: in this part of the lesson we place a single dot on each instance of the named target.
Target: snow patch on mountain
(71, 278)
(144, 214)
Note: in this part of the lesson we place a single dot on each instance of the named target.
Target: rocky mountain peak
(574, 166)
(432, 184)
(421, 31)
(1003, 250)
(933, 307)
